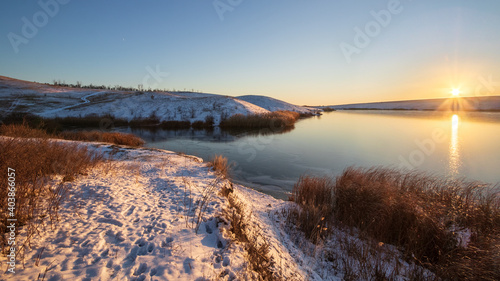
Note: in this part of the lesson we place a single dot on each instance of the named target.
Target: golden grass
(422, 215)
(111, 137)
(24, 131)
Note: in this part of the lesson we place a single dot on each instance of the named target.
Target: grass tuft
(220, 166)
(314, 197)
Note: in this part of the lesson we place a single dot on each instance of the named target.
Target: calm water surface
(446, 144)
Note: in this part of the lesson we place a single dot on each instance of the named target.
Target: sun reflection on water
(454, 162)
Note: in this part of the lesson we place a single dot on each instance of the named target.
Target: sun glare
(455, 92)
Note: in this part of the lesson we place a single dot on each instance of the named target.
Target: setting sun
(455, 92)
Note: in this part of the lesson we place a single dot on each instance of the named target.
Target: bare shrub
(35, 161)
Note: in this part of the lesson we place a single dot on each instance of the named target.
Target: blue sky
(289, 50)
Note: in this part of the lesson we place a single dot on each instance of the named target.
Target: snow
(272, 104)
(49, 101)
(135, 217)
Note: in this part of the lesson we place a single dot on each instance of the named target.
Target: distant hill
(485, 103)
(55, 101)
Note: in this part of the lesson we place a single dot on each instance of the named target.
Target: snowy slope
(466, 103)
(165, 106)
(272, 104)
(50, 101)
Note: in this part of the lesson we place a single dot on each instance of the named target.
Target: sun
(455, 92)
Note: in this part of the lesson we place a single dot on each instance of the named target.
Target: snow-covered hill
(51, 101)
(485, 103)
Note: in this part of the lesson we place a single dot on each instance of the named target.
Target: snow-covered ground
(151, 214)
(50, 101)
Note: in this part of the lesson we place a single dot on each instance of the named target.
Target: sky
(304, 52)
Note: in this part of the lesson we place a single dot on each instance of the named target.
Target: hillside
(54, 101)
(486, 103)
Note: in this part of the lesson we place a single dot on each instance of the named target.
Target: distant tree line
(139, 87)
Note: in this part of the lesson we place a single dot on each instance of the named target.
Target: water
(453, 145)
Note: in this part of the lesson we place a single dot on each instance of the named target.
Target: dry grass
(35, 161)
(116, 138)
(220, 166)
(275, 121)
(424, 216)
(24, 131)
(314, 197)
(257, 248)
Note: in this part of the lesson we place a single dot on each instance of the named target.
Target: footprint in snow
(208, 229)
(141, 269)
(130, 258)
(141, 242)
(151, 247)
(130, 211)
(153, 272)
(226, 261)
(105, 253)
(188, 267)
